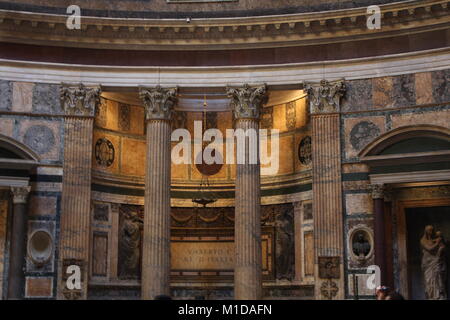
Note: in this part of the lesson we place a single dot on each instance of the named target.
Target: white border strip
(119, 76)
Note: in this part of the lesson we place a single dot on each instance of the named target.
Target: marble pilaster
(324, 104)
(78, 103)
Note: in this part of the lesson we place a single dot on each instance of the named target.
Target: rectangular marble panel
(39, 287)
(100, 254)
(440, 83)
(362, 288)
(309, 253)
(42, 206)
(46, 98)
(424, 93)
(204, 255)
(22, 97)
(358, 203)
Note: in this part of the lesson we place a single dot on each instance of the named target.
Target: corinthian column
(78, 103)
(158, 103)
(324, 103)
(247, 103)
(16, 277)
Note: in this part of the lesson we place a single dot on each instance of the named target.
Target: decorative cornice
(79, 100)
(243, 32)
(325, 97)
(158, 102)
(247, 101)
(20, 194)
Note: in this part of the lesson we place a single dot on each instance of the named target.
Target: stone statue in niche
(284, 224)
(434, 267)
(130, 245)
(361, 245)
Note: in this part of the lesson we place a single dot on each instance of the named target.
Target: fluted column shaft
(156, 245)
(247, 103)
(324, 104)
(16, 277)
(79, 104)
(247, 273)
(158, 103)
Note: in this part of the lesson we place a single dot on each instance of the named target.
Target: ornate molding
(329, 289)
(247, 101)
(325, 96)
(239, 32)
(20, 194)
(79, 99)
(377, 191)
(158, 102)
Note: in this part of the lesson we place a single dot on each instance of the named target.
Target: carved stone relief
(329, 289)
(325, 97)
(79, 99)
(267, 118)
(130, 241)
(290, 115)
(363, 133)
(124, 117)
(179, 120)
(305, 151)
(247, 101)
(104, 152)
(101, 211)
(329, 267)
(101, 113)
(360, 244)
(284, 249)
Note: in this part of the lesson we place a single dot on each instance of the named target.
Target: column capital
(79, 99)
(20, 194)
(247, 101)
(158, 102)
(325, 96)
(377, 190)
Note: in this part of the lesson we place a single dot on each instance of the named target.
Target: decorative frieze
(158, 102)
(247, 101)
(79, 99)
(233, 31)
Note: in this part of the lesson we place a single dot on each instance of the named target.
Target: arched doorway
(412, 166)
(16, 164)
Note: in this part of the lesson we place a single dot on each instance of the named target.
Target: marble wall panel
(22, 97)
(46, 99)
(358, 132)
(6, 95)
(358, 203)
(43, 137)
